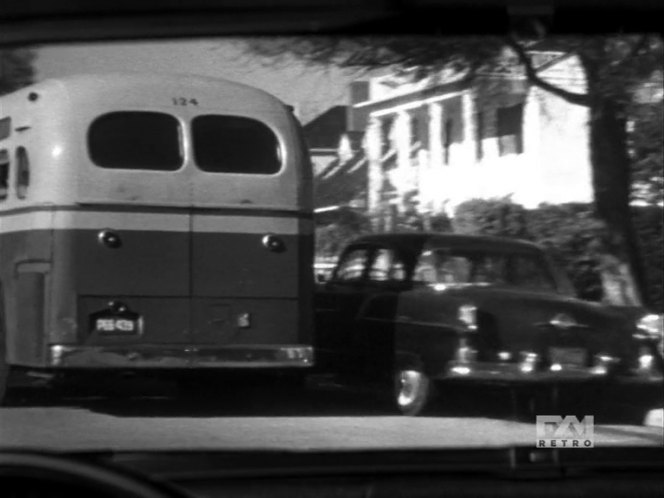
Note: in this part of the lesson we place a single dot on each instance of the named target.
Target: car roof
(414, 242)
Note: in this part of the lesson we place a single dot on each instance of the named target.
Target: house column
(469, 127)
(373, 146)
(531, 150)
(403, 139)
(435, 135)
(531, 126)
(430, 176)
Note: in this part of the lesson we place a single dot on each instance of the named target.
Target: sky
(311, 90)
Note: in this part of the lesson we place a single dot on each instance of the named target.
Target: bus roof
(151, 89)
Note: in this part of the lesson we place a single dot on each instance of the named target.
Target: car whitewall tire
(413, 391)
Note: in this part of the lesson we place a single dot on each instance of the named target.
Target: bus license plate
(117, 325)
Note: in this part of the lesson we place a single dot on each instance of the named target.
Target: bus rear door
(129, 252)
(249, 231)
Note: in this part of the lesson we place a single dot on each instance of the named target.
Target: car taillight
(652, 326)
(603, 364)
(466, 353)
(467, 315)
(528, 361)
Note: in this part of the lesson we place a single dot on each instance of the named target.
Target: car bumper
(185, 357)
(512, 373)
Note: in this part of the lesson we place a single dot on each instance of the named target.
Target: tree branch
(571, 97)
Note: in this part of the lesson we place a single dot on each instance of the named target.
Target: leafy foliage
(575, 238)
(16, 69)
(334, 235)
(573, 235)
(498, 217)
(646, 147)
(427, 53)
(649, 223)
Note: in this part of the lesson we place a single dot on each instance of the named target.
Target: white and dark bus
(153, 222)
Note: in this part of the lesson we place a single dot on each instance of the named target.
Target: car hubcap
(410, 383)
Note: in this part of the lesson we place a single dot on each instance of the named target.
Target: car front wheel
(413, 391)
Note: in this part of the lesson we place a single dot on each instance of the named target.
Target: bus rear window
(136, 140)
(5, 128)
(233, 144)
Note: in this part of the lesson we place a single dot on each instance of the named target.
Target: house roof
(340, 183)
(376, 105)
(323, 131)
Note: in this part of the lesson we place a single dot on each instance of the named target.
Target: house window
(415, 135)
(4, 174)
(448, 133)
(480, 132)
(509, 123)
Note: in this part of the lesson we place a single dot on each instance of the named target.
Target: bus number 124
(182, 101)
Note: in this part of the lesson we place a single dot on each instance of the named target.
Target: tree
(341, 226)
(616, 68)
(16, 69)
(646, 152)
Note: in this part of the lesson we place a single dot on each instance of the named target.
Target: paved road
(325, 417)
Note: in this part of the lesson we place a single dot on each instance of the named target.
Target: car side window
(387, 266)
(352, 265)
(488, 269)
(530, 273)
(453, 270)
(442, 267)
(426, 268)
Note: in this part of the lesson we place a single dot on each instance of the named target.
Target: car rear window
(136, 140)
(235, 144)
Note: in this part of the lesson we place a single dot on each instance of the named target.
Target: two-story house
(446, 138)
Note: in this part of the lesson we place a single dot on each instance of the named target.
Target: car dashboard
(515, 471)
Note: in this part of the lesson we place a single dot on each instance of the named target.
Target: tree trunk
(620, 264)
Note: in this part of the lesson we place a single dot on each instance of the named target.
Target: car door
(373, 334)
(337, 304)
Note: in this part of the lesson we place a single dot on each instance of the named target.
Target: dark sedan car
(423, 309)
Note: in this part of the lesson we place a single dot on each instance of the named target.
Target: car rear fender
(405, 360)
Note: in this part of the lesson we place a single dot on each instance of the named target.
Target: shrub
(572, 235)
(499, 217)
(649, 224)
(332, 237)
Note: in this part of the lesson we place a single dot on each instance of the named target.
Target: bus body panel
(146, 263)
(26, 283)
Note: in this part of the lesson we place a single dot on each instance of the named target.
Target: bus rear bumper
(169, 357)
